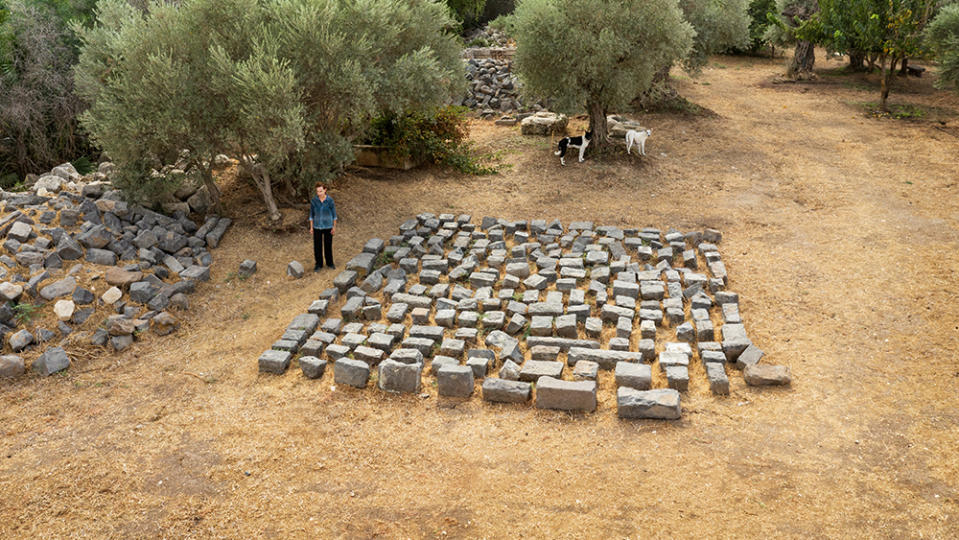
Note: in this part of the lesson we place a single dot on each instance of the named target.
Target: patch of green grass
(905, 111)
(25, 313)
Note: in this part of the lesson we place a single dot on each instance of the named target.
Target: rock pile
(68, 233)
(492, 85)
(518, 303)
(488, 37)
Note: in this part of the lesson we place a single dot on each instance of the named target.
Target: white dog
(639, 138)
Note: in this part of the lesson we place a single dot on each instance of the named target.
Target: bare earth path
(841, 234)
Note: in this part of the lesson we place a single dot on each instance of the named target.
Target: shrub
(38, 105)
(439, 136)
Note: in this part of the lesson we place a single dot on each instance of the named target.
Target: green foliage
(596, 54)
(439, 136)
(466, 9)
(786, 18)
(888, 30)
(759, 23)
(719, 25)
(38, 106)
(291, 82)
(942, 38)
(25, 313)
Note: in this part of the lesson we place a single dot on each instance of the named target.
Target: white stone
(49, 183)
(10, 291)
(64, 309)
(111, 296)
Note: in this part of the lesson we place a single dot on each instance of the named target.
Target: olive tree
(942, 37)
(596, 55)
(285, 85)
(789, 18)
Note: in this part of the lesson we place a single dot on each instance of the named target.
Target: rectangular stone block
(274, 361)
(564, 344)
(407, 356)
(749, 357)
(718, 380)
(455, 381)
(351, 372)
(553, 393)
(368, 354)
(399, 377)
(662, 404)
(503, 391)
(532, 370)
(766, 375)
(677, 377)
(605, 358)
(633, 375)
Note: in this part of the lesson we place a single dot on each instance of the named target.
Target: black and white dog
(576, 142)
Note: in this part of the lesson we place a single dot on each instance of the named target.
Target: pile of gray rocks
(530, 308)
(492, 86)
(74, 247)
(487, 37)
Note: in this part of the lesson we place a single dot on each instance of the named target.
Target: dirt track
(841, 234)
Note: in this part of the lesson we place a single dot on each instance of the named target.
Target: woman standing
(323, 227)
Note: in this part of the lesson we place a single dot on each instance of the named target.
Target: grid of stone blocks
(524, 308)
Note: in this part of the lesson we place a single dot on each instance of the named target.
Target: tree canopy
(596, 55)
(942, 37)
(286, 85)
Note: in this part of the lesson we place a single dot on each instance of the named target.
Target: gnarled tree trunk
(206, 173)
(800, 68)
(597, 124)
(264, 184)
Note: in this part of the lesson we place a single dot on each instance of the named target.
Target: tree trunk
(905, 67)
(659, 93)
(597, 124)
(261, 178)
(871, 59)
(207, 174)
(857, 61)
(884, 83)
(800, 68)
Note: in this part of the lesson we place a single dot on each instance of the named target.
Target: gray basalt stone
(553, 393)
(504, 391)
(718, 381)
(766, 375)
(274, 361)
(510, 371)
(350, 372)
(749, 357)
(455, 381)
(399, 377)
(638, 376)
(532, 370)
(59, 288)
(585, 371)
(11, 365)
(312, 367)
(605, 358)
(663, 404)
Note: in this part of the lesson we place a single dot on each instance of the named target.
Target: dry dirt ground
(841, 234)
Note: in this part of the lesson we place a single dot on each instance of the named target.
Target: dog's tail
(558, 152)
